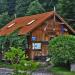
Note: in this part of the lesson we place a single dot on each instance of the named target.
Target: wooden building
(39, 29)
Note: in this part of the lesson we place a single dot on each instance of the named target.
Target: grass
(5, 65)
(61, 71)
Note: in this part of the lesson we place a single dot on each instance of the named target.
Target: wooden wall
(43, 34)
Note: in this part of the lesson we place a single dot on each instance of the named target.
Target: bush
(26, 65)
(62, 49)
(15, 55)
(19, 62)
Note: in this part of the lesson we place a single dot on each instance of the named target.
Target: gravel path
(6, 71)
(36, 73)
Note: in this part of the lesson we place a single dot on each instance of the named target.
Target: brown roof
(39, 18)
(27, 24)
(12, 26)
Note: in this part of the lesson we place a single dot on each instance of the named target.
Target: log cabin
(39, 30)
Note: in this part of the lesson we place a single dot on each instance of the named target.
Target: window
(36, 46)
(33, 38)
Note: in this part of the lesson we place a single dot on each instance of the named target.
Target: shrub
(15, 55)
(18, 60)
(62, 49)
(26, 65)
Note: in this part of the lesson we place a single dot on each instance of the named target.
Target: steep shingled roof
(27, 24)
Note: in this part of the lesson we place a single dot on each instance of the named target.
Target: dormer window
(11, 25)
(30, 22)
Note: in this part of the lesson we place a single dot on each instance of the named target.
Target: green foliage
(73, 25)
(34, 8)
(17, 41)
(1, 40)
(62, 49)
(5, 19)
(21, 7)
(48, 4)
(14, 55)
(3, 6)
(26, 65)
(61, 71)
(12, 40)
(66, 8)
(4, 43)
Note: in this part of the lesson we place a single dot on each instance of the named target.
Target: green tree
(11, 7)
(48, 4)
(62, 49)
(21, 7)
(66, 8)
(5, 19)
(3, 6)
(34, 8)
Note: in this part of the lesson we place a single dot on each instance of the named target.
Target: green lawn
(61, 71)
